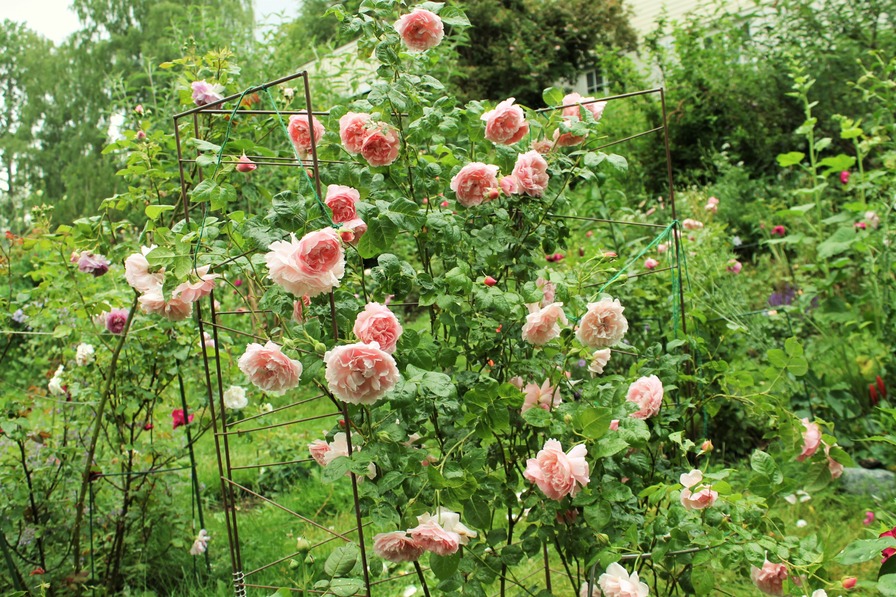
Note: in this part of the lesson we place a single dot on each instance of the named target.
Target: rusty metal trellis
(214, 383)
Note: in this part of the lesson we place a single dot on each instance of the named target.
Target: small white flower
(84, 354)
(200, 544)
(55, 385)
(790, 499)
(410, 591)
(801, 523)
(235, 398)
(266, 407)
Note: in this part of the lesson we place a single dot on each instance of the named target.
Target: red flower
(489, 281)
(881, 387)
(37, 571)
(872, 393)
(178, 419)
(779, 231)
(890, 551)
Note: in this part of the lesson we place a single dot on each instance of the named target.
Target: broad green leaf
(537, 417)
(203, 191)
(552, 96)
(765, 465)
(837, 243)
(618, 162)
(154, 211)
(380, 236)
(444, 566)
(864, 550)
(790, 159)
(342, 560)
(345, 587)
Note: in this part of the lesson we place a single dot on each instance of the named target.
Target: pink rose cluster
(300, 132)
(556, 473)
(573, 103)
(696, 495)
(150, 286)
(420, 29)
(268, 368)
(543, 324)
(377, 142)
(307, 267)
(442, 534)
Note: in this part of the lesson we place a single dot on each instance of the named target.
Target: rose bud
(244, 164)
(141, 135)
(849, 582)
(489, 281)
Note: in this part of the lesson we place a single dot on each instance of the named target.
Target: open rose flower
(205, 93)
(342, 200)
(179, 419)
(595, 590)
(603, 325)
(698, 500)
(352, 231)
(647, 393)
(556, 473)
(690, 224)
(434, 538)
(95, 265)
(360, 373)
(376, 323)
(420, 30)
(545, 396)
(599, 360)
(84, 354)
(154, 303)
(300, 133)
(770, 578)
(191, 292)
(543, 325)
(353, 129)
(235, 398)
(397, 546)
(324, 453)
(506, 124)
(596, 108)
(510, 185)
(319, 450)
(380, 147)
(475, 183)
(811, 439)
(531, 171)
(268, 368)
(310, 266)
(617, 582)
(136, 272)
(115, 320)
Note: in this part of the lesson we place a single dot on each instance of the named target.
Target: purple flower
(96, 265)
(205, 93)
(782, 297)
(19, 316)
(116, 319)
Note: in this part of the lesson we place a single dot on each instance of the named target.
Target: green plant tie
(662, 235)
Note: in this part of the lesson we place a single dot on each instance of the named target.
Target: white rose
(84, 354)
(55, 385)
(235, 398)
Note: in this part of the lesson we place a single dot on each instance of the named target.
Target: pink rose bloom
(380, 147)
(268, 368)
(352, 231)
(360, 373)
(596, 108)
(244, 164)
(474, 183)
(603, 325)
(690, 224)
(770, 578)
(835, 468)
(811, 439)
(420, 30)
(872, 218)
(154, 303)
(647, 393)
(450, 521)
(178, 419)
(543, 325)
(319, 450)
(299, 132)
(698, 500)
(376, 323)
(115, 320)
(712, 205)
(583, 590)
(506, 124)
(341, 200)
(651, 263)
(662, 248)
(614, 425)
(567, 139)
(510, 185)
(353, 130)
(558, 474)
(136, 272)
(545, 397)
(844, 176)
(95, 265)
(397, 546)
(542, 146)
(191, 292)
(531, 171)
(432, 537)
(734, 266)
(599, 360)
(311, 266)
(779, 230)
(205, 93)
(517, 381)
(548, 289)
(616, 582)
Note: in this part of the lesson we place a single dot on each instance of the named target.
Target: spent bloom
(770, 578)
(56, 387)
(420, 30)
(712, 205)
(734, 266)
(599, 360)
(200, 545)
(603, 325)
(115, 320)
(872, 219)
(617, 582)
(647, 393)
(689, 224)
(545, 396)
(696, 495)
(397, 546)
(268, 368)
(95, 265)
(441, 533)
(84, 354)
(154, 303)
(205, 93)
(779, 230)
(543, 325)
(179, 418)
(506, 124)
(556, 473)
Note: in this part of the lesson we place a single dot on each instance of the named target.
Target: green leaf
(552, 96)
(380, 237)
(342, 560)
(444, 566)
(886, 585)
(203, 191)
(618, 162)
(345, 587)
(154, 211)
(765, 465)
(454, 17)
(598, 515)
(790, 159)
(608, 446)
(477, 514)
(864, 550)
(793, 347)
(837, 243)
(703, 580)
(838, 162)
(537, 417)
(592, 422)
(203, 145)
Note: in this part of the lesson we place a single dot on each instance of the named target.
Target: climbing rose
(191, 292)
(299, 132)
(178, 419)
(319, 449)
(583, 590)
(509, 185)
(95, 265)
(268, 368)
(310, 266)
(475, 183)
(647, 393)
(770, 578)
(599, 360)
(506, 124)
(341, 200)
(811, 439)
(543, 325)
(616, 582)
(545, 397)
(136, 271)
(651, 263)
(154, 303)
(205, 93)
(603, 325)
(699, 500)
(431, 536)
(690, 224)
(531, 172)
(380, 147)
(84, 354)
(376, 323)
(556, 473)
(353, 130)
(360, 373)
(420, 30)
(397, 546)
(596, 108)
(235, 398)
(115, 320)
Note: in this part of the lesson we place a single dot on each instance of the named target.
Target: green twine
(637, 257)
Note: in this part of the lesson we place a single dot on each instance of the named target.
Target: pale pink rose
(352, 231)
(360, 373)
(319, 450)
(420, 30)
(193, 291)
(616, 582)
(136, 272)
(353, 130)
(690, 224)
(706, 446)
(397, 546)
(603, 325)
(154, 303)
(556, 473)
(338, 447)
(712, 205)
(872, 218)
(341, 200)
(548, 289)
(734, 266)
(450, 521)
(517, 381)
(268, 368)
(567, 139)
(651, 263)
(432, 537)
(376, 323)
(583, 590)
(531, 171)
(380, 147)
(647, 393)
(542, 146)
(614, 425)
(596, 108)
(205, 93)
(300, 133)
(474, 183)
(510, 185)
(698, 501)
(691, 479)
(506, 124)
(662, 248)
(311, 266)
(543, 325)
(545, 397)
(770, 578)
(834, 467)
(599, 360)
(811, 439)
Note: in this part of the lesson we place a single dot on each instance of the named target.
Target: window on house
(596, 82)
